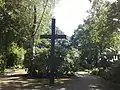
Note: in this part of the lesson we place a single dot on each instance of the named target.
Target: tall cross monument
(53, 37)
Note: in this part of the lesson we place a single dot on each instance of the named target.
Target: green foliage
(73, 59)
(22, 24)
(2, 64)
(6, 28)
(16, 54)
(115, 73)
(66, 59)
(112, 73)
(98, 34)
(82, 41)
(42, 60)
(93, 45)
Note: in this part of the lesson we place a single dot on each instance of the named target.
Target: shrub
(112, 73)
(95, 71)
(2, 64)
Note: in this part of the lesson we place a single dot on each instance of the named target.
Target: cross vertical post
(52, 37)
(52, 52)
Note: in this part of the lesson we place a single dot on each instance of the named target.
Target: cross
(53, 37)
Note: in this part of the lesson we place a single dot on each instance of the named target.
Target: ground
(81, 82)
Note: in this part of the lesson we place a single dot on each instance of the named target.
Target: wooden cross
(52, 37)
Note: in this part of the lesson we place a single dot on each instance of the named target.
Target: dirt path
(81, 82)
(84, 82)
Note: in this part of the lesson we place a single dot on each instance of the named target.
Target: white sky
(70, 13)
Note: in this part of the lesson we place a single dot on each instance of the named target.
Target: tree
(7, 35)
(114, 24)
(96, 34)
(22, 22)
(36, 26)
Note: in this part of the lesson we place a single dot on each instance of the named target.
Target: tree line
(94, 44)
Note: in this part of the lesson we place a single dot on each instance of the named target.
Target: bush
(94, 71)
(2, 64)
(11, 60)
(112, 73)
(15, 56)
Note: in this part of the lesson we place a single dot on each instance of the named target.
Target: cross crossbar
(56, 36)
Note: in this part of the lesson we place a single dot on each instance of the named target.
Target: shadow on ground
(80, 82)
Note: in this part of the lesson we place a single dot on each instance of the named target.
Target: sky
(70, 13)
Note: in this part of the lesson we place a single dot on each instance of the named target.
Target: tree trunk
(31, 68)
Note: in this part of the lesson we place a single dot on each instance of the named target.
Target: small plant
(95, 71)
